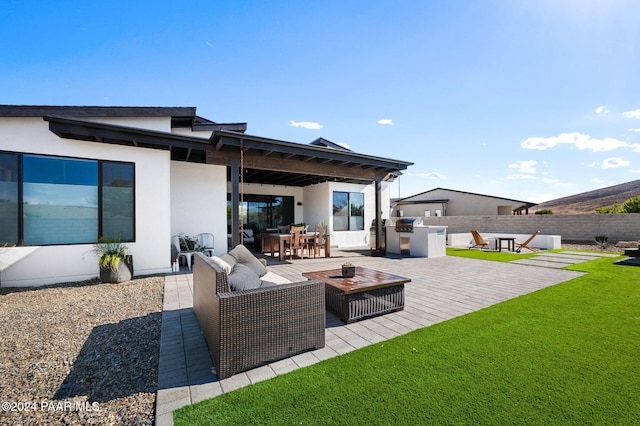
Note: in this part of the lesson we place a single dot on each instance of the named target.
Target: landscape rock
(81, 353)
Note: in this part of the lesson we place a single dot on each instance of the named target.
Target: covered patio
(249, 159)
(440, 289)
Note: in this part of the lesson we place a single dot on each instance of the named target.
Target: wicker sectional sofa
(248, 328)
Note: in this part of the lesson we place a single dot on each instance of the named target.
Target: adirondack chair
(526, 243)
(479, 241)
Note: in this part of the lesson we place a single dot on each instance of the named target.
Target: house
(69, 175)
(450, 202)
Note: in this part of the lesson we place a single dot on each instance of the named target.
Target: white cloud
(613, 162)
(632, 114)
(635, 130)
(548, 180)
(528, 166)
(602, 110)
(306, 124)
(597, 180)
(386, 121)
(431, 175)
(520, 177)
(580, 140)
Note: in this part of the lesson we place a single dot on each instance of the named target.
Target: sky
(529, 100)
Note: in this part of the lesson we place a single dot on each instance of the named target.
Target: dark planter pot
(348, 271)
(122, 274)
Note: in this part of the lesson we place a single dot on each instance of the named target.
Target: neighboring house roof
(420, 197)
(265, 160)
(407, 202)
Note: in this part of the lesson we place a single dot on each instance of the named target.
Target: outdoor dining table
(272, 242)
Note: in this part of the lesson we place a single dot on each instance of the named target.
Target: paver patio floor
(562, 259)
(440, 289)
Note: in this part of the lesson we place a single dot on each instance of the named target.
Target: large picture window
(47, 200)
(348, 211)
(60, 200)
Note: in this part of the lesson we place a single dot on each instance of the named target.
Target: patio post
(378, 196)
(234, 166)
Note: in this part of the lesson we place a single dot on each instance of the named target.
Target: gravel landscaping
(608, 248)
(80, 353)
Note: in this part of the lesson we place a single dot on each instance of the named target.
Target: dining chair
(182, 252)
(284, 229)
(296, 243)
(319, 240)
(205, 243)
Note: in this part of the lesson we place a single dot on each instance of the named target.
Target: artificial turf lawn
(567, 354)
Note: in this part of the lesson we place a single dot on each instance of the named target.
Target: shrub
(614, 209)
(632, 205)
(544, 211)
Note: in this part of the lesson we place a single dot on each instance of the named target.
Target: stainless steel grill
(406, 224)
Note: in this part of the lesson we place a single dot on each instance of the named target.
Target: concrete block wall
(578, 228)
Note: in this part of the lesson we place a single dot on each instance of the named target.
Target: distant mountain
(587, 202)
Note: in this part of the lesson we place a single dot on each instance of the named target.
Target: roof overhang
(94, 111)
(525, 207)
(267, 161)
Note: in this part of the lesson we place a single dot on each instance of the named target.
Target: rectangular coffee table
(368, 293)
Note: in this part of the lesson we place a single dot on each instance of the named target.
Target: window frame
(270, 200)
(348, 210)
(99, 164)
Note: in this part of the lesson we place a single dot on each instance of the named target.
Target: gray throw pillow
(242, 255)
(243, 278)
(227, 258)
(267, 284)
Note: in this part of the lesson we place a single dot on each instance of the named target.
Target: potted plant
(304, 225)
(187, 242)
(116, 265)
(348, 270)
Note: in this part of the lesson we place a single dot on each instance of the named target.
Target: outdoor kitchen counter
(421, 241)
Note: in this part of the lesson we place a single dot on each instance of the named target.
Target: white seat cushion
(274, 278)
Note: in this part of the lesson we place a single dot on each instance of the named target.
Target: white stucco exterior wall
(317, 205)
(29, 266)
(199, 200)
(358, 238)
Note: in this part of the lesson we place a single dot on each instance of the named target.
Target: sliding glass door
(260, 212)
